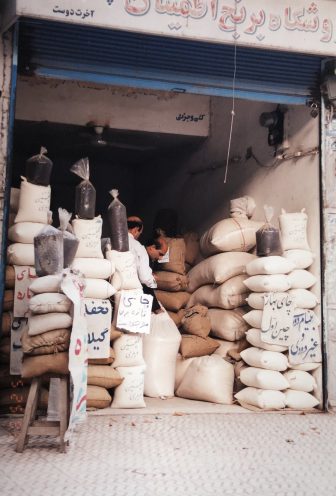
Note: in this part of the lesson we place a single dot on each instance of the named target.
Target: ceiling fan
(98, 136)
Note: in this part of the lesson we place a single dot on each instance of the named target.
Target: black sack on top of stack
(268, 238)
(48, 251)
(70, 242)
(117, 217)
(85, 201)
(38, 168)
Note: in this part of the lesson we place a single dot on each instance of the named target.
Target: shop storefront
(173, 104)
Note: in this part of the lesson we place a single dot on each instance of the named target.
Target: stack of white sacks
(218, 284)
(128, 347)
(272, 382)
(89, 260)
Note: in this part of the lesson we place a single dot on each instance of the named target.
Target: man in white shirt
(145, 273)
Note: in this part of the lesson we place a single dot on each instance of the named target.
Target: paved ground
(178, 455)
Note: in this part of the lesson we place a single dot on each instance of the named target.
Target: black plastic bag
(38, 168)
(268, 237)
(48, 251)
(117, 217)
(85, 201)
(70, 242)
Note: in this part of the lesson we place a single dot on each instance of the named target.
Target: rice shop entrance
(240, 327)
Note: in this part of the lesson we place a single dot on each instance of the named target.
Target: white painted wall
(73, 102)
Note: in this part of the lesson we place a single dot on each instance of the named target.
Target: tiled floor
(178, 454)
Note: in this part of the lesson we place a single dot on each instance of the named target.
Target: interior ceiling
(124, 147)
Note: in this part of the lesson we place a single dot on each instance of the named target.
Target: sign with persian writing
(16, 354)
(98, 316)
(277, 318)
(134, 312)
(304, 341)
(73, 286)
(24, 275)
(292, 25)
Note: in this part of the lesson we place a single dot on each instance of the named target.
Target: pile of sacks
(172, 280)
(273, 383)
(218, 295)
(29, 214)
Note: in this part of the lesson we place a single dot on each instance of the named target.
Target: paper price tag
(277, 318)
(134, 312)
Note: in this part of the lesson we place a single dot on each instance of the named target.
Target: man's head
(135, 226)
(156, 248)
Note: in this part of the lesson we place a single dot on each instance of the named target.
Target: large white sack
(37, 324)
(89, 233)
(261, 398)
(218, 269)
(293, 228)
(254, 318)
(263, 379)
(307, 366)
(98, 288)
(34, 203)
(49, 302)
(253, 336)
(24, 232)
(304, 298)
(230, 235)
(160, 349)
(126, 274)
(95, 268)
(128, 350)
(271, 360)
(301, 279)
(208, 378)
(46, 284)
(227, 324)
(302, 259)
(300, 400)
(230, 294)
(300, 380)
(181, 367)
(21, 254)
(268, 283)
(130, 392)
(269, 265)
(318, 388)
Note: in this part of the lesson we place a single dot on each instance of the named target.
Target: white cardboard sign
(304, 342)
(277, 318)
(134, 312)
(98, 316)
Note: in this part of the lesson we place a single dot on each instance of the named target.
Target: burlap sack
(192, 251)
(6, 323)
(10, 277)
(196, 321)
(97, 397)
(46, 343)
(195, 346)
(231, 294)
(170, 281)
(176, 317)
(18, 397)
(34, 366)
(8, 301)
(103, 361)
(103, 376)
(228, 324)
(115, 333)
(177, 249)
(172, 301)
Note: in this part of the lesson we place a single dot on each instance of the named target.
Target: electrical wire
(233, 105)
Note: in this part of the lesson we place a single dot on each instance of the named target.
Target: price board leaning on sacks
(134, 312)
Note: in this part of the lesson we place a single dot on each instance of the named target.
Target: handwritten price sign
(277, 318)
(98, 316)
(134, 312)
(304, 342)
